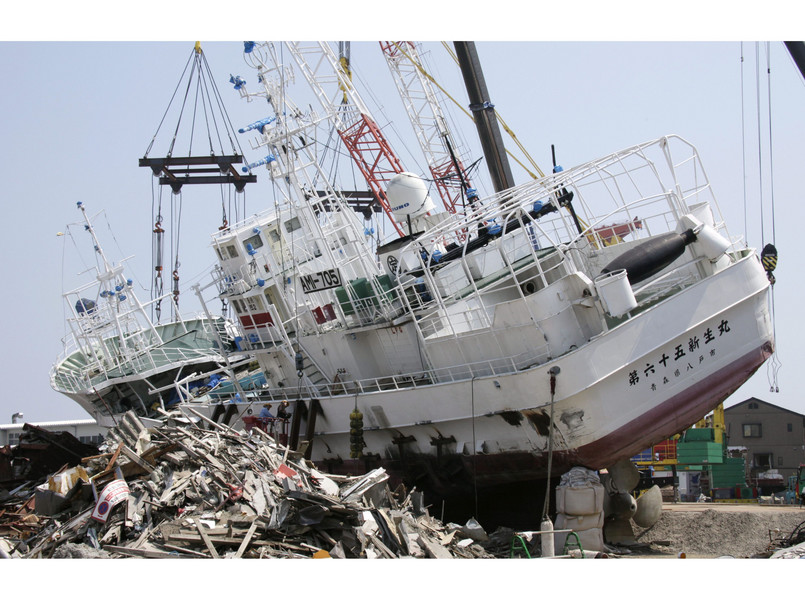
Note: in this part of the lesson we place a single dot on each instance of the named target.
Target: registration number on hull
(329, 278)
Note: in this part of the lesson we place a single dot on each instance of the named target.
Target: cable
(771, 145)
(181, 113)
(776, 364)
(474, 452)
(553, 372)
(743, 150)
(759, 144)
(178, 84)
(233, 140)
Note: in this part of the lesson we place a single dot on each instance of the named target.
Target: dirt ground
(717, 530)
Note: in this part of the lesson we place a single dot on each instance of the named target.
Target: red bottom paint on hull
(674, 415)
(508, 486)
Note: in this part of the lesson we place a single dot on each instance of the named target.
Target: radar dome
(408, 195)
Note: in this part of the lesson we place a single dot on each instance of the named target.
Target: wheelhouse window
(255, 241)
(292, 224)
(255, 303)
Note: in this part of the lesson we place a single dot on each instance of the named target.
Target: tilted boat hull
(614, 397)
(141, 381)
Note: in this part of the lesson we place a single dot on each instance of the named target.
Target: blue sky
(78, 115)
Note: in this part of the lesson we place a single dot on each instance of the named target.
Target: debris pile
(203, 490)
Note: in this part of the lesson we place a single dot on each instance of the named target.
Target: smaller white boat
(117, 359)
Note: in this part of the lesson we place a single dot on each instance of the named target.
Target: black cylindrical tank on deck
(650, 257)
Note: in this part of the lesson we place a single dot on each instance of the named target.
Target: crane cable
(771, 261)
(208, 94)
(743, 152)
(162, 121)
(769, 253)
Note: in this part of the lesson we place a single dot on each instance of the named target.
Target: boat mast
(367, 146)
(107, 280)
(483, 112)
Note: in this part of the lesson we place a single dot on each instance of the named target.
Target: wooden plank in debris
(208, 420)
(143, 538)
(231, 541)
(206, 539)
(87, 459)
(175, 459)
(229, 466)
(246, 539)
(152, 454)
(182, 445)
(380, 546)
(433, 549)
(144, 553)
(201, 453)
(136, 459)
(268, 457)
(177, 487)
(198, 538)
(199, 554)
(112, 462)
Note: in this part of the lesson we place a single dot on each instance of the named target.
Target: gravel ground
(723, 530)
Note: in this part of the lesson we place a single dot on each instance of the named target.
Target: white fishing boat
(572, 320)
(116, 358)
